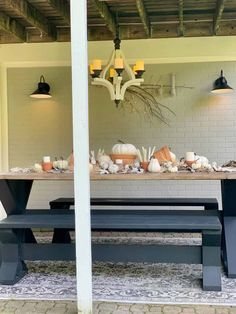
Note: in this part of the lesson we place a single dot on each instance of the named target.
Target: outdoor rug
(132, 282)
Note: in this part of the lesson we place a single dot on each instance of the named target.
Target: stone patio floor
(69, 307)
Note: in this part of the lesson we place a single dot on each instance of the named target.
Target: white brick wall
(203, 123)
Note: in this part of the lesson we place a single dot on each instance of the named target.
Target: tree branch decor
(143, 100)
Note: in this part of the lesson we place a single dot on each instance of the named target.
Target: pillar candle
(140, 65)
(119, 161)
(46, 159)
(190, 156)
(119, 64)
(112, 72)
(97, 64)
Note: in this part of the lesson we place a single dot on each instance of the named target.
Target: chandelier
(111, 75)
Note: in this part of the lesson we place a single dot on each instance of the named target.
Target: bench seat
(110, 221)
(207, 203)
(14, 250)
(63, 236)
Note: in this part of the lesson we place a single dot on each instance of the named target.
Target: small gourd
(154, 165)
(196, 166)
(60, 164)
(38, 167)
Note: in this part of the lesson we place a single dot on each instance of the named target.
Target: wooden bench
(14, 251)
(63, 236)
(207, 203)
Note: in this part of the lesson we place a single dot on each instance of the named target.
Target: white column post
(4, 120)
(81, 154)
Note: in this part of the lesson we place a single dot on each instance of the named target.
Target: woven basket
(127, 159)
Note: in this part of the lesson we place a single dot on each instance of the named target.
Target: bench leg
(61, 236)
(211, 261)
(12, 267)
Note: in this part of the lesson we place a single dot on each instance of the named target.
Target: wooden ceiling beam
(33, 16)
(181, 17)
(12, 27)
(62, 7)
(220, 5)
(107, 16)
(144, 17)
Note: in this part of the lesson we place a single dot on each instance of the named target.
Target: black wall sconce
(220, 85)
(43, 89)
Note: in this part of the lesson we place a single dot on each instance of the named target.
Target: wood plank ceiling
(49, 20)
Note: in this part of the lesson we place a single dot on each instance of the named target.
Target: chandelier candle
(135, 69)
(119, 64)
(140, 65)
(97, 64)
(112, 72)
(91, 69)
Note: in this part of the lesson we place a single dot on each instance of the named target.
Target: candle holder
(96, 73)
(189, 162)
(139, 73)
(119, 71)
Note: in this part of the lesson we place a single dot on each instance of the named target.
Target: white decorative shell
(104, 165)
(124, 149)
(201, 159)
(174, 169)
(113, 168)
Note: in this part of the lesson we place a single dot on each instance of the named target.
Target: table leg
(14, 195)
(228, 189)
(12, 267)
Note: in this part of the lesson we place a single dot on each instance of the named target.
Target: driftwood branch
(151, 106)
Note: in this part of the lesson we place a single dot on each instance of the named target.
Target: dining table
(15, 188)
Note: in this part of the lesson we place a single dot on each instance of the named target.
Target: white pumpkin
(154, 165)
(61, 164)
(38, 167)
(124, 149)
(173, 169)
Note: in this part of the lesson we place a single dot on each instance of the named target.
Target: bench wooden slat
(154, 222)
(124, 211)
(38, 221)
(114, 222)
(209, 203)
